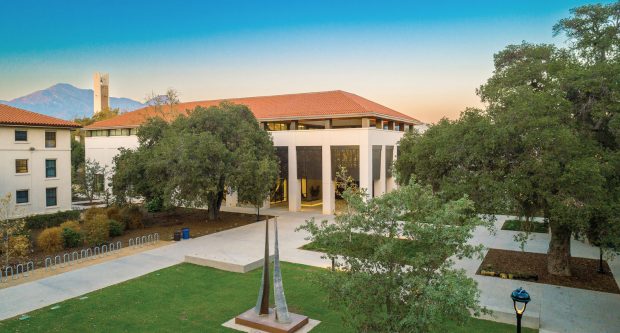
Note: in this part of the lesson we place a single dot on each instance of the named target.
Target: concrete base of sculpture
(268, 323)
(227, 262)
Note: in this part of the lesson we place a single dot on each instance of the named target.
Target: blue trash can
(185, 233)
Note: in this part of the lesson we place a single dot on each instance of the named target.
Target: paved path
(558, 309)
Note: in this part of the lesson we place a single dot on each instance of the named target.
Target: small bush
(73, 225)
(71, 238)
(50, 240)
(154, 205)
(132, 217)
(19, 247)
(113, 213)
(50, 220)
(96, 230)
(90, 213)
(116, 228)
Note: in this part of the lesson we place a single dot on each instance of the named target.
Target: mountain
(65, 101)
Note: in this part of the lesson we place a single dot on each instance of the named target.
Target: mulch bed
(584, 271)
(166, 223)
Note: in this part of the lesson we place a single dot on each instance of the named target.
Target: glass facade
(347, 157)
(389, 160)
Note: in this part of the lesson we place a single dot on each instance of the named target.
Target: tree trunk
(213, 210)
(257, 212)
(558, 255)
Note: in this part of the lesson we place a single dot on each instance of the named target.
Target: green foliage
(546, 144)
(192, 160)
(116, 228)
(96, 230)
(50, 220)
(229, 293)
(526, 226)
(154, 205)
(396, 277)
(14, 235)
(71, 238)
(50, 240)
(92, 180)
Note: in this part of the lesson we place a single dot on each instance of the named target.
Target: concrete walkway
(556, 309)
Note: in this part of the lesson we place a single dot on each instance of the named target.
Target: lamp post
(520, 296)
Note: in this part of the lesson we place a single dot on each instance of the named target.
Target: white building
(315, 133)
(35, 161)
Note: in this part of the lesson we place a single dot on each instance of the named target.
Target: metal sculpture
(262, 303)
(282, 314)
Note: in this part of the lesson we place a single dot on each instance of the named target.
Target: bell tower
(101, 91)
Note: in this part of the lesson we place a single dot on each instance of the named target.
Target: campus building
(35, 163)
(315, 134)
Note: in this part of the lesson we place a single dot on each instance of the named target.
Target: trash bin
(177, 235)
(185, 233)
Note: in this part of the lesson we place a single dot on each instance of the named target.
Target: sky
(422, 58)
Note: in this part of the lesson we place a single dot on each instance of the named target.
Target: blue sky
(423, 58)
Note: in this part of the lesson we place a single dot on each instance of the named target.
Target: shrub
(50, 240)
(19, 247)
(132, 217)
(154, 205)
(113, 213)
(96, 230)
(50, 220)
(90, 213)
(71, 238)
(73, 225)
(116, 228)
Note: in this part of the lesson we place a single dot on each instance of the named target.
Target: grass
(191, 298)
(519, 225)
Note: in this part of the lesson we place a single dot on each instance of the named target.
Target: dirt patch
(531, 264)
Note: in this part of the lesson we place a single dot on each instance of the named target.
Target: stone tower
(101, 91)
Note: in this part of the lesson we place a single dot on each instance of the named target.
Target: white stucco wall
(103, 149)
(35, 181)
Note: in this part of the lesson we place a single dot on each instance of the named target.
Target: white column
(231, 199)
(366, 166)
(294, 191)
(329, 195)
(380, 190)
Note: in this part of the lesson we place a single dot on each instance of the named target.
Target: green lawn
(517, 225)
(190, 298)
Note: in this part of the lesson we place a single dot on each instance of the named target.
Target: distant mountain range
(65, 101)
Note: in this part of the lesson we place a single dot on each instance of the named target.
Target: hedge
(51, 220)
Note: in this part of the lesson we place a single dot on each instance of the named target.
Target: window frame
(49, 140)
(48, 196)
(15, 136)
(17, 202)
(17, 167)
(55, 168)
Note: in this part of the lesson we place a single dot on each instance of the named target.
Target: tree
(15, 241)
(257, 172)
(395, 272)
(193, 159)
(92, 179)
(545, 144)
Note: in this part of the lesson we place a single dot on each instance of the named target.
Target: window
(50, 168)
(50, 139)
(21, 166)
(116, 132)
(97, 133)
(21, 136)
(21, 196)
(50, 197)
(126, 131)
(273, 126)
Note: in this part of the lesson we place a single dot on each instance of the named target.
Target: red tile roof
(315, 105)
(18, 117)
